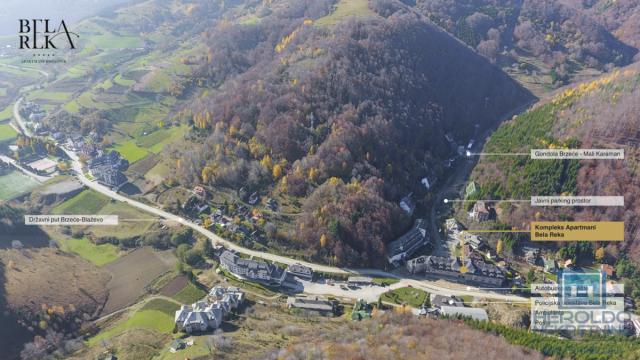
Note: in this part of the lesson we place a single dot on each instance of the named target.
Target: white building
(206, 315)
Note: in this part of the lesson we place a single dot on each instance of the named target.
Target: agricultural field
(131, 151)
(54, 96)
(153, 143)
(132, 273)
(99, 255)
(7, 132)
(6, 113)
(409, 296)
(85, 203)
(158, 173)
(157, 140)
(15, 184)
(132, 222)
(156, 315)
(109, 40)
(122, 81)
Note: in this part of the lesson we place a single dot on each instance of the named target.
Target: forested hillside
(598, 114)
(567, 36)
(345, 117)
(393, 336)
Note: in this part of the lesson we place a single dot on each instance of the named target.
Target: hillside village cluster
(105, 166)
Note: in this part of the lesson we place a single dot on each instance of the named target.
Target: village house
(453, 227)
(609, 270)
(407, 204)
(112, 159)
(481, 212)
(271, 204)
(531, 255)
(89, 150)
(253, 270)
(465, 312)
(471, 189)
(313, 306)
(473, 240)
(300, 271)
(200, 192)
(74, 142)
(109, 176)
(442, 300)
(550, 265)
(405, 246)
(360, 281)
(253, 198)
(177, 344)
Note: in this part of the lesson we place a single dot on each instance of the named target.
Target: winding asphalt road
(458, 178)
(422, 284)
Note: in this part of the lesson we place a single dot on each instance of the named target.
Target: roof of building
(471, 188)
(442, 300)
(482, 268)
(480, 207)
(317, 304)
(254, 269)
(472, 239)
(474, 313)
(549, 263)
(409, 242)
(360, 279)
(608, 269)
(300, 269)
(177, 344)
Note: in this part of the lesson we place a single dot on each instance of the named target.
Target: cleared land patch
(99, 255)
(190, 294)
(157, 140)
(132, 273)
(156, 315)
(131, 151)
(345, 9)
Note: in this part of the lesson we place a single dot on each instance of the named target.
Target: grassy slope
(345, 9)
(99, 255)
(86, 203)
(190, 294)
(410, 296)
(7, 132)
(156, 315)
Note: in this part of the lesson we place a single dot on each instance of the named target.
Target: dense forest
(402, 336)
(346, 118)
(566, 35)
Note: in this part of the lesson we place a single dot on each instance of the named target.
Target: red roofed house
(608, 269)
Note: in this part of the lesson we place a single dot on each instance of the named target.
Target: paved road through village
(427, 285)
